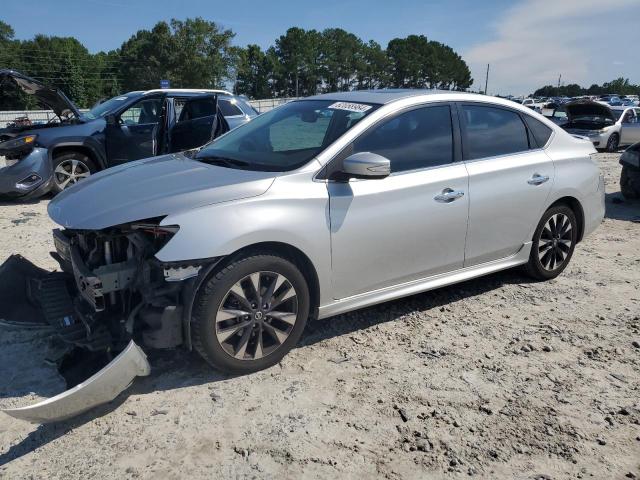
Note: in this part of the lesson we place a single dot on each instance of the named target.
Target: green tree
(339, 55)
(254, 72)
(297, 52)
(373, 69)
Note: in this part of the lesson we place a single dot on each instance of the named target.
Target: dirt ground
(495, 378)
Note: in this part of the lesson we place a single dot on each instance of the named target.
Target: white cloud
(537, 40)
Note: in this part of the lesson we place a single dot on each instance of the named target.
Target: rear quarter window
(538, 130)
(228, 109)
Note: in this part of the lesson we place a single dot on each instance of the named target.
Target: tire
(236, 335)
(630, 183)
(613, 143)
(552, 247)
(70, 168)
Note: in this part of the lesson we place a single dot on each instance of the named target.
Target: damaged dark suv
(38, 158)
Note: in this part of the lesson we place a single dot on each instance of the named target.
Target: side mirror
(111, 119)
(366, 165)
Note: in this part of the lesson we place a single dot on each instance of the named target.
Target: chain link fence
(44, 116)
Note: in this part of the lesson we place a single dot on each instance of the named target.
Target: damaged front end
(111, 295)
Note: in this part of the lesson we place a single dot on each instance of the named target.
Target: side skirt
(424, 284)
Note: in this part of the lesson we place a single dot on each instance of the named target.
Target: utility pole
(486, 80)
(559, 79)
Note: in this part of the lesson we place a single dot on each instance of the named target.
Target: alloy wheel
(555, 242)
(256, 315)
(69, 172)
(612, 143)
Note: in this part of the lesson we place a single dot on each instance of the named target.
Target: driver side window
(144, 112)
(630, 117)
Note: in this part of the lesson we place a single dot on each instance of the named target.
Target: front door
(131, 137)
(630, 127)
(409, 225)
(509, 181)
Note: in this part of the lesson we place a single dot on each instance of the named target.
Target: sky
(528, 43)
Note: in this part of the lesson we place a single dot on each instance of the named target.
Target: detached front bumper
(100, 388)
(28, 178)
(30, 296)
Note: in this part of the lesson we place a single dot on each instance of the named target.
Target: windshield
(107, 107)
(287, 137)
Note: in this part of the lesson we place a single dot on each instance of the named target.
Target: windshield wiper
(223, 161)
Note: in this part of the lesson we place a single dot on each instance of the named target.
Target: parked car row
(608, 128)
(36, 159)
(540, 103)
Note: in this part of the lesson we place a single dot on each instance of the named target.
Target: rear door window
(492, 131)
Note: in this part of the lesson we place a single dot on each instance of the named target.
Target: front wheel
(69, 169)
(250, 314)
(553, 243)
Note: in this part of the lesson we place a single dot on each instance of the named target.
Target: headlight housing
(18, 148)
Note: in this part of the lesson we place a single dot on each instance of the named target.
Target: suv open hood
(587, 108)
(150, 188)
(48, 96)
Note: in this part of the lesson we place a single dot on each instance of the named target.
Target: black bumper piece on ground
(33, 297)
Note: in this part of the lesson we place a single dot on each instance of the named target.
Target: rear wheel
(553, 243)
(69, 168)
(630, 183)
(250, 314)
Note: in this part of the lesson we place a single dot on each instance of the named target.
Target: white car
(608, 128)
(533, 104)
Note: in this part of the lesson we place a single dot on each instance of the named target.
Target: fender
(292, 205)
(93, 145)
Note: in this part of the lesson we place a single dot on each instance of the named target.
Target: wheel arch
(575, 205)
(291, 253)
(83, 147)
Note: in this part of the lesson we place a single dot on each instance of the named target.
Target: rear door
(132, 136)
(196, 124)
(630, 127)
(510, 177)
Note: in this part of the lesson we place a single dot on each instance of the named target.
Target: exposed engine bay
(111, 296)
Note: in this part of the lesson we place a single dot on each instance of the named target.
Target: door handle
(448, 195)
(537, 179)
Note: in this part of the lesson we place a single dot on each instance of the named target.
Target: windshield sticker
(351, 107)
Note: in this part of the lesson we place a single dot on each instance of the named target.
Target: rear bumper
(594, 208)
(29, 178)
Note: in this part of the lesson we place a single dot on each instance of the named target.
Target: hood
(150, 188)
(587, 108)
(48, 96)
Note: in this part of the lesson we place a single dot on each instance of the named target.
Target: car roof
(381, 96)
(184, 91)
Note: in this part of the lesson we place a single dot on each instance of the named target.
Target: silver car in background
(319, 207)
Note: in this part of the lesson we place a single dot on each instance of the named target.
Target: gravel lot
(494, 378)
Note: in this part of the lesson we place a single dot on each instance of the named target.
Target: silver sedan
(330, 204)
